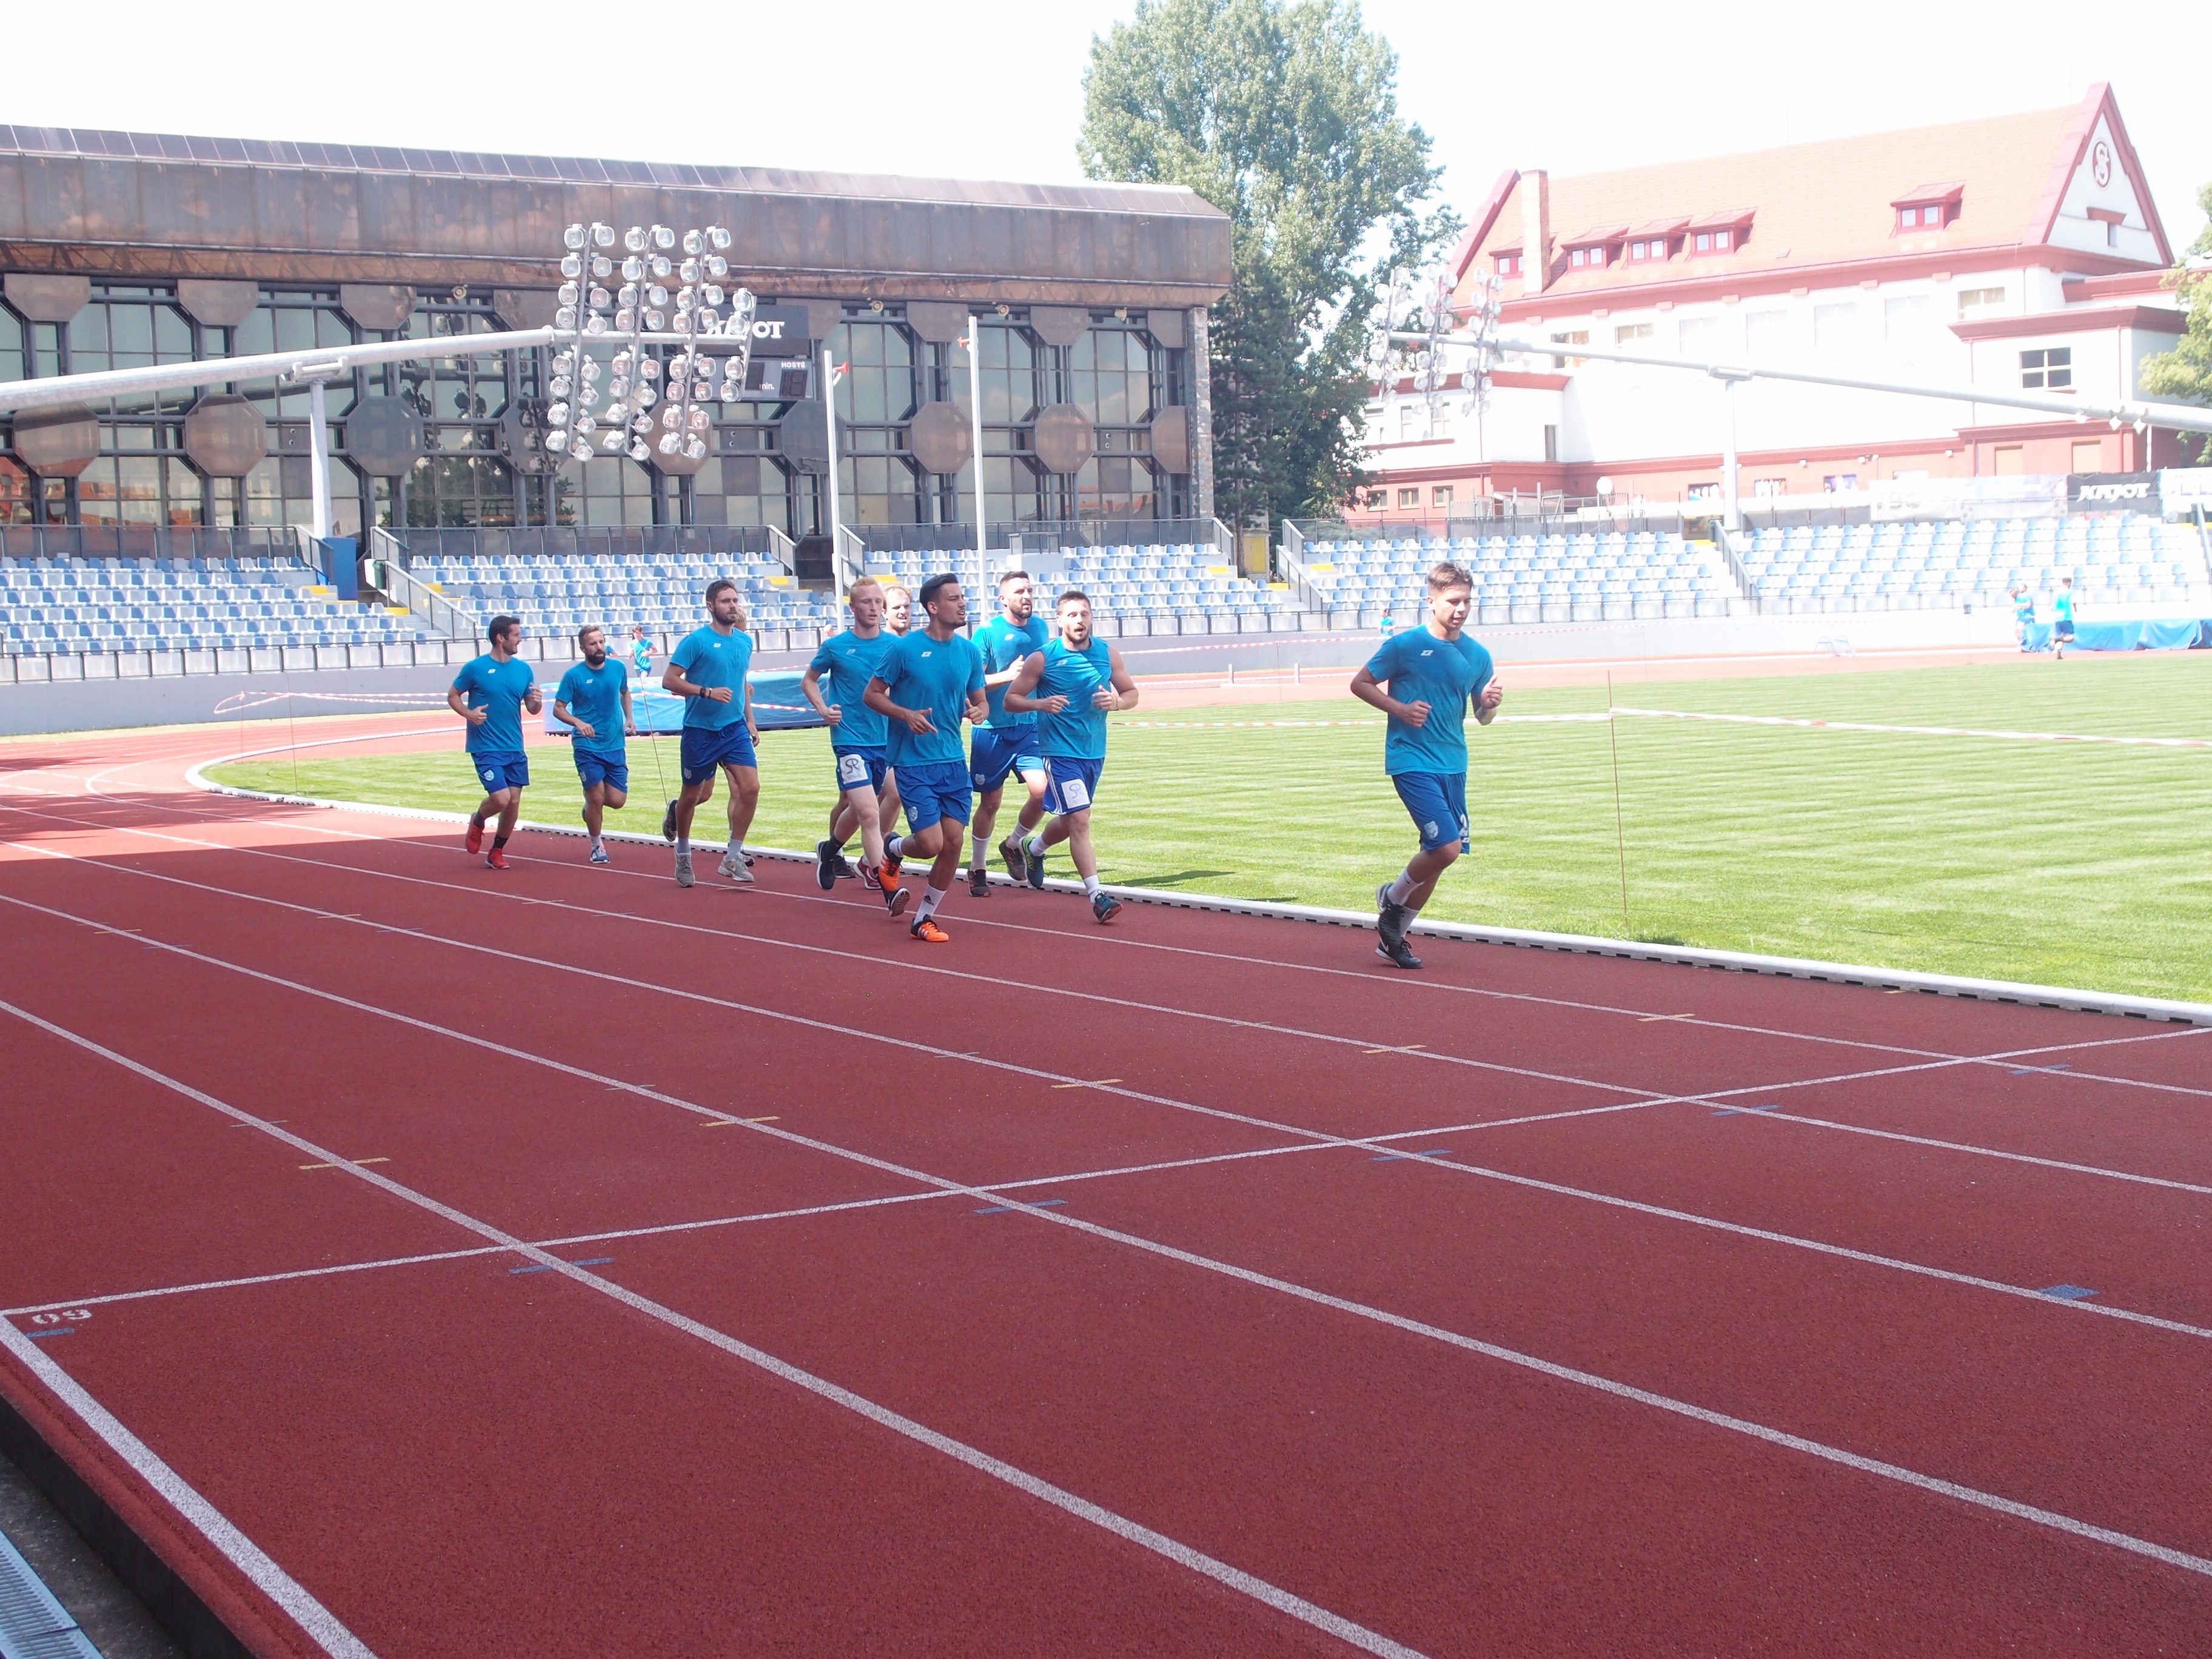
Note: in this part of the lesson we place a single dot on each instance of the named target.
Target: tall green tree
(2185, 372)
(1283, 114)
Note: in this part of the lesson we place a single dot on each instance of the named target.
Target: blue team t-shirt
(710, 659)
(498, 688)
(937, 675)
(594, 696)
(1446, 674)
(1005, 645)
(1080, 731)
(2062, 605)
(845, 663)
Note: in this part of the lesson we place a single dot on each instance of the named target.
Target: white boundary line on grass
(1952, 985)
(1259, 1589)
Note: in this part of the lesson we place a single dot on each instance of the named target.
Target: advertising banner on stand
(2112, 492)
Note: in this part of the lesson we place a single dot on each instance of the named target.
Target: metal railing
(146, 541)
(1050, 534)
(421, 599)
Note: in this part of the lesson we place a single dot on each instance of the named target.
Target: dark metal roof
(156, 203)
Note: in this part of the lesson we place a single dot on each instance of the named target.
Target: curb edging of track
(1836, 973)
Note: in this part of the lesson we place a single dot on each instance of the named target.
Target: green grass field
(2079, 864)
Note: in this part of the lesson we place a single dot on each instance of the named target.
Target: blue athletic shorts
(861, 769)
(501, 769)
(1074, 784)
(610, 767)
(994, 752)
(706, 750)
(1437, 801)
(936, 790)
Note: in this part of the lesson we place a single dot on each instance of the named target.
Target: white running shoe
(738, 869)
(683, 869)
(599, 855)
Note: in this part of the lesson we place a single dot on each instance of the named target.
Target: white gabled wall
(2131, 239)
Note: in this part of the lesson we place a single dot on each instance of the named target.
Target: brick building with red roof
(2022, 252)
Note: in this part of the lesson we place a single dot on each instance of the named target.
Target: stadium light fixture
(645, 313)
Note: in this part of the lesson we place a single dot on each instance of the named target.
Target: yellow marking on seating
(1096, 1083)
(1407, 1049)
(349, 1161)
(1646, 1019)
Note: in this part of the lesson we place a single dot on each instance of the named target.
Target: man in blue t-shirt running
(708, 670)
(1431, 671)
(491, 694)
(928, 682)
(593, 700)
(1071, 685)
(1006, 743)
(857, 738)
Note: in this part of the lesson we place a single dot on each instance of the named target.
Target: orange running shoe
(474, 840)
(926, 929)
(891, 866)
(497, 859)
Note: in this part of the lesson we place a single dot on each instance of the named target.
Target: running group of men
(895, 695)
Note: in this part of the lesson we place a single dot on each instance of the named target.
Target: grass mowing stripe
(2059, 864)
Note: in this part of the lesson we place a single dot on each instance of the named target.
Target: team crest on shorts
(1430, 829)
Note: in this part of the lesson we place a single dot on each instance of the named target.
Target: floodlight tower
(689, 381)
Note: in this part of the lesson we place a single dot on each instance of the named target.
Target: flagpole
(976, 419)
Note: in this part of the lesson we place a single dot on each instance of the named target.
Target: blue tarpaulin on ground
(2162, 635)
(778, 705)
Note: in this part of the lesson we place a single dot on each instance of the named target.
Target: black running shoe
(668, 825)
(845, 867)
(1036, 869)
(1017, 861)
(1392, 919)
(979, 883)
(1394, 953)
(825, 872)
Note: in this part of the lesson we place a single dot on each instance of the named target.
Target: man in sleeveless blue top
(847, 663)
(1071, 685)
(1006, 744)
(929, 681)
(491, 694)
(1432, 673)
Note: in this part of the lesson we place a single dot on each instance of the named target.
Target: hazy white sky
(990, 89)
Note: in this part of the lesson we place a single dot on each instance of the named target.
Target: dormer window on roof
(1719, 233)
(1508, 261)
(1658, 241)
(1593, 249)
(1931, 207)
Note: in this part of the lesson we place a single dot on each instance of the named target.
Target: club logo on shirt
(1428, 654)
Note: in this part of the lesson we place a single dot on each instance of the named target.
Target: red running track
(424, 1262)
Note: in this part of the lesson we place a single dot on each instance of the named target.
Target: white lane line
(1646, 1096)
(1124, 941)
(1311, 1139)
(1909, 731)
(1059, 1497)
(323, 1627)
(1258, 1588)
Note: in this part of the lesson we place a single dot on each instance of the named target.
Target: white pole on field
(837, 529)
(976, 421)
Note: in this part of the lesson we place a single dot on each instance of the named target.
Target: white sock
(1091, 885)
(982, 844)
(684, 846)
(931, 899)
(894, 846)
(1401, 891)
(1033, 843)
(596, 838)
(737, 848)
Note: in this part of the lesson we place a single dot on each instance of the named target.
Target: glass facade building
(1090, 299)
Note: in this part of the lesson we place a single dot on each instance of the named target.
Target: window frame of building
(1440, 496)
(1630, 333)
(1722, 241)
(1409, 497)
(2046, 369)
(1509, 262)
(1974, 301)
(1552, 444)
(1573, 336)
(2096, 447)
(1836, 483)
